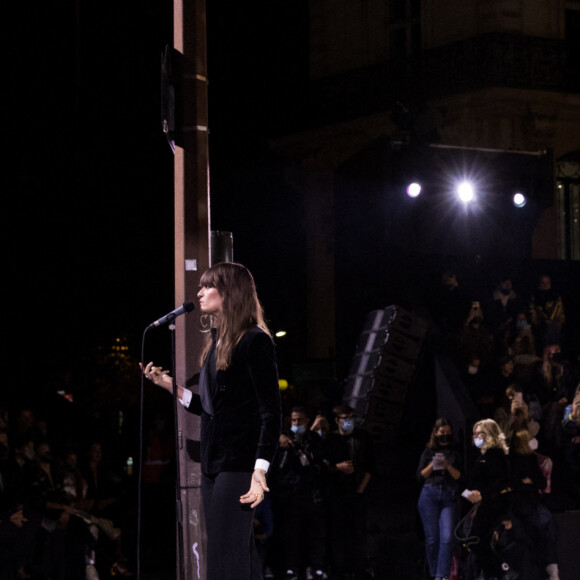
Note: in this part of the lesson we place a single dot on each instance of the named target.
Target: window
(568, 206)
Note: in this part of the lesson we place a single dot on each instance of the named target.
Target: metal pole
(192, 256)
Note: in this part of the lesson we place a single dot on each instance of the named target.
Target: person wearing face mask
(351, 465)
(534, 519)
(439, 471)
(298, 494)
(488, 488)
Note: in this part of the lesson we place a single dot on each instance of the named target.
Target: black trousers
(231, 550)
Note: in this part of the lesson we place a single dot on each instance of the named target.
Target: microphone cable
(140, 467)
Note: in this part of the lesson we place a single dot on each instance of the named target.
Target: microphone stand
(178, 506)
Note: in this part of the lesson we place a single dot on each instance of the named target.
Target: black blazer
(247, 416)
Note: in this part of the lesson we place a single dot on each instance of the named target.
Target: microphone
(183, 309)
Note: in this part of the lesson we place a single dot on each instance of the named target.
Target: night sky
(88, 173)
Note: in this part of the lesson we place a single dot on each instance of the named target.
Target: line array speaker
(383, 367)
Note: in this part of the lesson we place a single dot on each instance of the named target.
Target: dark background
(88, 186)
(87, 176)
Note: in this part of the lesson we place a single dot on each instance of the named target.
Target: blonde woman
(488, 486)
(239, 404)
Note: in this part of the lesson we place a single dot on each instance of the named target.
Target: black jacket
(246, 420)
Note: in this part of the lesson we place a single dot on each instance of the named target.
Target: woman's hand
(474, 496)
(258, 486)
(158, 376)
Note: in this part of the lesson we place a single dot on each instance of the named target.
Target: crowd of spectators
(63, 508)
(318, 483)
(510, 350)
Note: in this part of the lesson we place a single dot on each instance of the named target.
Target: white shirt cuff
(186, 398)
(262, 464)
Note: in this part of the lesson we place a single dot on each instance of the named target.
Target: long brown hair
(241, 309)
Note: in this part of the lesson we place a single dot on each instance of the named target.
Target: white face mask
(472, 370)
(298, 429)
(478, 442)
(533, 444)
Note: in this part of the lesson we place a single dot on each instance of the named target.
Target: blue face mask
(298, 429)
(478, 442)
(347, 425)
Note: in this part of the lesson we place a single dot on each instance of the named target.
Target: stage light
(519, 200)
(465, 192)
(281, 333)
(414, 189)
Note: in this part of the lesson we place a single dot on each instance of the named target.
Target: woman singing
(239, 404)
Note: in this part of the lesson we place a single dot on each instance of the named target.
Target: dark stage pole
(192, 251)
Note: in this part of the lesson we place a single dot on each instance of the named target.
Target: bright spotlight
(465, 192)
(519, 199)
(281, 333)
(414, 189)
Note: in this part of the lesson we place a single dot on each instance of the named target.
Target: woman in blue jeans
(439, 471)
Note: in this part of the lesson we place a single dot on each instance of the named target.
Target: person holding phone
(438, 505)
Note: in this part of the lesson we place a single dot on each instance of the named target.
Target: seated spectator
(547, 314)
(65, 538)
(512, 412)
(504, 375)
(105, 505)
(297, 476)
(571, 428)
(521, 344)
(504, 305)
(550, 386)
(25, 423)
(473, 339)
(527, 483)
(13, 562)
(480, 387)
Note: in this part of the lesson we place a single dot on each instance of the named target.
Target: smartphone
(518, 399)
(438, 459)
